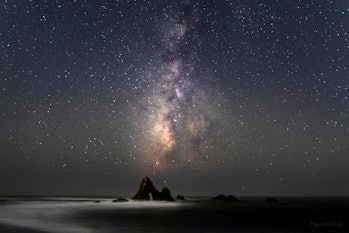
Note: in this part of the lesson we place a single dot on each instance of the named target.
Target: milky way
(247, 97)
(173, 119)
(180, 116)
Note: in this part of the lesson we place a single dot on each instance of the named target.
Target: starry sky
(237, 97)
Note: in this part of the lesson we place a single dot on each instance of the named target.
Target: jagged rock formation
(222, 197)
(147, 191)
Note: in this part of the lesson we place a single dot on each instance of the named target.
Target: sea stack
(147, 191)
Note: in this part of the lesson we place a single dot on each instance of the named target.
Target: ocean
(199, 214)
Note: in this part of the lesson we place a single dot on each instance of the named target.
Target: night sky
(237, 97)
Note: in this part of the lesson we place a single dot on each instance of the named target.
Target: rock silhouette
(147, 191)
(120, 200)
(180, 197)
(222, 197)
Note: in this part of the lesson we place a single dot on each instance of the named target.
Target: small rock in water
(222, 197)
(120, 200)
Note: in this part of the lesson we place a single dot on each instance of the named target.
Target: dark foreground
(4, 228)
(292, 215)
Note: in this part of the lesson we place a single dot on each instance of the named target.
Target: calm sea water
(196, 215)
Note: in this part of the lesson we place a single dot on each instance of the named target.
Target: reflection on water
(45, 216)
(59, 216)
